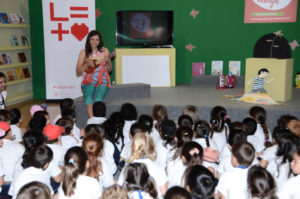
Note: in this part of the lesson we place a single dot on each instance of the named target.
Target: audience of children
(149, 157)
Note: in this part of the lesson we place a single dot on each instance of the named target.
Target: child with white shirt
(159, 112)
(76, 184)
(99, 112)
(233, 184)
(43, 114)
(15, 120)
(34, 190)
(143, 151)
(185, 120)
(290, 189)
(10, 153)
(70, 114)
(37, 122)
(66, 103)
(39, 159)
(220, 123)
(129, 114)
(251, 127)
(99, 167)
(68, 139)
(191, 111)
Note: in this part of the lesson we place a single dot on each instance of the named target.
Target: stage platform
(175, 98)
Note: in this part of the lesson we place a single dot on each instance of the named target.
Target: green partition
(218, 32)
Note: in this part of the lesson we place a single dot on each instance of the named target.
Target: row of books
(11, 18)
(15, 42)
(216, 68)
(18, 73)
(6, 59)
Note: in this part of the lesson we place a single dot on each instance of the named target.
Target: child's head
(38, 122)
(191, 111)
(219, 120)
(200, 182)
(66, 103)
(262, 73)
(129, 112)
(243, 154)
(147, 121)
(15, 116)
(286, 147)
(113, 130)
(67, 124)
(142, 147)
(235, 136)
(185, 120)
(40, 157)
(295, 164)
(93, 145)
(192, 154)
(202, 130)
(177, 192)
(99, 109)
(137, 178)
(94, 128)
(69, 113)
(35, 108)
(159, 112)
(75, 164)
(53, 133)
(43, 114)
(261, 183)
(285, 119)
(5, 131)
(278, 132)
(115, 192)
(34, 190)
(183, 134)
(294, 127)
(167, 130)
(4, 116)
(251, 125)
(137, 127)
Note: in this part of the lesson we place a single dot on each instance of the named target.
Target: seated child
(99, 112)
(177, 192)
(68, 139)
(34, 190)
(15, 120)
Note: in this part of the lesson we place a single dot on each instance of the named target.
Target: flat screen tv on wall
(144, 28)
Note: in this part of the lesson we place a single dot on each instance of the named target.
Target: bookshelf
(18, 90)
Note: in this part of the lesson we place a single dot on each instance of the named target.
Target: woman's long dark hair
(88, 47)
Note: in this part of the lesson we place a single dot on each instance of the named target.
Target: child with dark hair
(39, 160)
(159, 113)
(261, 183)
(177, 192)
(290, 189)
(34, 190)
(200, 182)
(99, 113)
(167, 131)
(191, 111)
(233, 184)
(185, 120)
(70, 113)
(64, 104)
(220, 123)
(4, 116)
(284, 120)
(147, 121)
(38, 122)
(15, 120)
(129, 114)
(138, 182)
(259, 114)
(10, 154)
(68, 139)
(76, 184)
(251, 126)
(43, 114)
(94, 128)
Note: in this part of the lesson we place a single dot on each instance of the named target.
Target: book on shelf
(4, 18)
(26, 72)
(10, 75)
(198, 69)
(24, 40)
(22, 57)
(14, 40)
(19, 73)
(21, 19)
(235, 68)
(14, 19)
(6, 58)
(1, 60)
(216, 68)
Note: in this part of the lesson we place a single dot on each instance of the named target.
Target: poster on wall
(66, 25)
(270, 11)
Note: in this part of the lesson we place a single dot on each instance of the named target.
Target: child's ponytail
(192, 153)
(202, 130)
(183, 134)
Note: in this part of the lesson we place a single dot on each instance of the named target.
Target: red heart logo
(79, 31)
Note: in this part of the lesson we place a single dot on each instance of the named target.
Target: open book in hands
(97, 61)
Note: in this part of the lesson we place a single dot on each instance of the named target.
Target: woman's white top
(86, 188)
(290, 189)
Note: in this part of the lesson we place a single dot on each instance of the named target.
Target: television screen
(144, 28)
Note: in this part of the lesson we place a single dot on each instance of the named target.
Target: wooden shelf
(18, 81)
(6, 48)
(19, 97)
(15, 65)
(14, 25)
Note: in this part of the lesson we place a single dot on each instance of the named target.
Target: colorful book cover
(1, 60)
(19, 73)
(26, 72)
(11, 76)
(6, 58)
(216, 68)
(14, 40)
(22, 57)
(4, 18)
(198, 69)
(235, 68)
(21, 19)
(24, 40)
(13, 18)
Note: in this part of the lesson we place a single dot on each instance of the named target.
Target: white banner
(66, 25)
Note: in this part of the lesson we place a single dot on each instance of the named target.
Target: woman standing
(94, 65)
